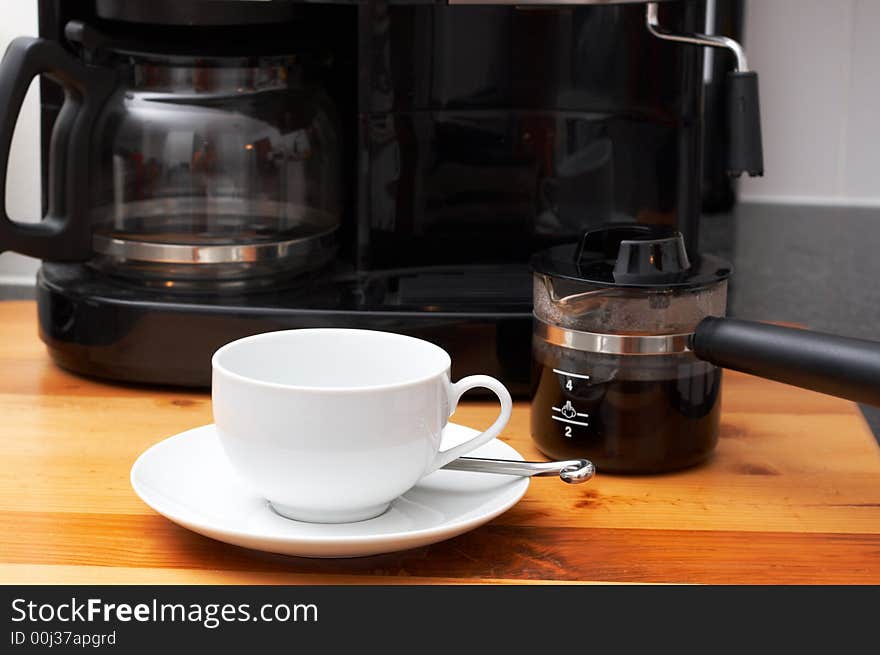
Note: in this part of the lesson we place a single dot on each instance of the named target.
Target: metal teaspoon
(573, 471)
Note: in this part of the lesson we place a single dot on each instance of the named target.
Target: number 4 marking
(569, 385)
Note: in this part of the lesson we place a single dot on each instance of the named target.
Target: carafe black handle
(63, 234)
(840, 366)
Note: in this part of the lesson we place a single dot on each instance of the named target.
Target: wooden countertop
(792, 496)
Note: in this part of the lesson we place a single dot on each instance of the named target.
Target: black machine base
(97, 326)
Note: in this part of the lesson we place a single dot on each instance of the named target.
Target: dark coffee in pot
(645, 416)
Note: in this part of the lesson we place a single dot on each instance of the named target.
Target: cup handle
(456, 391)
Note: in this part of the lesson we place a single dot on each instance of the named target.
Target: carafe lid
(646, 256)
(195, 12)
(281, 39)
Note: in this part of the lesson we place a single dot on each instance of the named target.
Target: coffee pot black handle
(63, 234)
(840, 366)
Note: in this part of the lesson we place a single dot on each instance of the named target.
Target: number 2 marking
(567, 430)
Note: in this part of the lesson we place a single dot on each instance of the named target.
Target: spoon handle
(573, 471)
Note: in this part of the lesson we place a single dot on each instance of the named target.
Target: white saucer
(188, 479)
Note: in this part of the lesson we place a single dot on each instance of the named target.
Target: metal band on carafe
(613, 344)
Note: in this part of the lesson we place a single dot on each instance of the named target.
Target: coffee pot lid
(646, 256)
(195, 42)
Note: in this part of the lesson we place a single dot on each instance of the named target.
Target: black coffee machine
(215, 168)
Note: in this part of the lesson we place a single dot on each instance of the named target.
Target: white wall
(19, 18)
(819, 64)
(819, 67)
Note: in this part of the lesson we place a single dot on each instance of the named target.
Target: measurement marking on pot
(584, 414)
(568, 411)
(571, 375)
(565, 420)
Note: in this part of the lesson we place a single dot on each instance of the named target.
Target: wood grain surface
(792, 496)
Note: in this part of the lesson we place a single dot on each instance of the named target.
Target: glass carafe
(614, 376)
(214, 172)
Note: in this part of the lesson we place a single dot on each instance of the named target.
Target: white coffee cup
(331, 425)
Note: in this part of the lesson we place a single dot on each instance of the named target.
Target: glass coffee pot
(629, 344)
(209, 166)
(614, 376)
